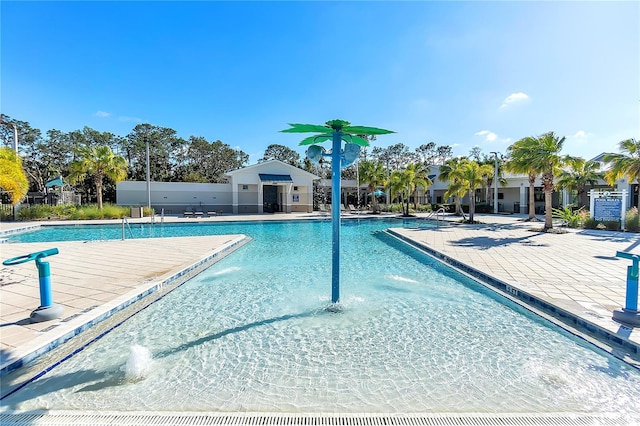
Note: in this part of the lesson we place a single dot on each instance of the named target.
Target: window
(245, 187)
(295, 188)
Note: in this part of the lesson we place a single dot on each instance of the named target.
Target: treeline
(172, 158)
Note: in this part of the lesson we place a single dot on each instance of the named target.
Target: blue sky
(456, 73)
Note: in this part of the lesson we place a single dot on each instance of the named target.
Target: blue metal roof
(266, 177)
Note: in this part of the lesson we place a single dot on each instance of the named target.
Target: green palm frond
(362, 130)
(356, 139)
(312, 140)
(305, 128)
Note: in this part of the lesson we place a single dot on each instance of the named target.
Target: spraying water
(138, 364)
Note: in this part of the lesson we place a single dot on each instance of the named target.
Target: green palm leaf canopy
(350, 133)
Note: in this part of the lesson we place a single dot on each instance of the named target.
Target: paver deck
(576, 271)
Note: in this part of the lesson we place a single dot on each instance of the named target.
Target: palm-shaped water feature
(336, 131)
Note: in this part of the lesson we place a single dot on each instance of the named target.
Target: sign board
(607, 209)
(608, 205)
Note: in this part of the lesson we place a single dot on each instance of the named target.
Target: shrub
(612, 225)
(590, 223)
(71, 211)
(632, 220)
(572, 218)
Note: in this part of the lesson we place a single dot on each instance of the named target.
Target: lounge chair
(198, 213)
(187, 213)
(352, 209)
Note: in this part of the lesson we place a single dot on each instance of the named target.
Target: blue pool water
(251, 333)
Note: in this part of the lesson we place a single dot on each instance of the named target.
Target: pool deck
(576, 272)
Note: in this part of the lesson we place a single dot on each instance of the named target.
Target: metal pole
(358, 186)
(387, 186)
(15, 138)
(148, 177)
(335, 216)
(495, 183)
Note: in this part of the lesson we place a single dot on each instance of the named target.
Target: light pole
(148, 176)
(495, 182)
(15, 138)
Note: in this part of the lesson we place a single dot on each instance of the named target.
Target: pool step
(270, 419)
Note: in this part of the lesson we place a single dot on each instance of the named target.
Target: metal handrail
(436, 213)
(124, 220)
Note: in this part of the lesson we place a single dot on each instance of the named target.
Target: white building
(272, 186)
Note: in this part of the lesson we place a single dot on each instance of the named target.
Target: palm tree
(399, 184)
(471, 175)
(407, 181)
(12, 176)
(545, 158)
(579, 174)
(372, 174)
(449, 173)
(519, 161)
(418, 178)
(98, 162)
(624, 164)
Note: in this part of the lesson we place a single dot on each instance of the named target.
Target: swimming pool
(251, 334)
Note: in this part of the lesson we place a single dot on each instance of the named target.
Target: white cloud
(514, 98)
(488, 136)
(102, 114)
(580, 134)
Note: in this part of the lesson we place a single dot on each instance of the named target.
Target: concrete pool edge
(78, 325)
(314, 419)
(592, 333)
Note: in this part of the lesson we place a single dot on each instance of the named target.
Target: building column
(260, 198)
(524, 202)
(234, 196)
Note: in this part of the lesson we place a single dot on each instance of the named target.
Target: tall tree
(426, 153)
(407, 182)
(520, 160)
(12, 177)
(282, 153)
(97, 162)
(624, 164)
(449, 172)
(475, 154)
(544, 157)
(578, 175)
(443, 153)
(204, 161)
(374, 175)
(29, 139)
(165, 148)
(472, 175)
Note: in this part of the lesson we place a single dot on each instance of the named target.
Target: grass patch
(75, 212)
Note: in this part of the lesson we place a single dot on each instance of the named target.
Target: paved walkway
(577, 271)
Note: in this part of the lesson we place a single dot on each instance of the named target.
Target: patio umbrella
(54, 182)
(378, 193)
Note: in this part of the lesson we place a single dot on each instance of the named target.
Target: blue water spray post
(336, 131)
(629, 314)
(47, 309)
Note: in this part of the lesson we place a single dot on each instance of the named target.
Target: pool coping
(93, 317)
(574, 324)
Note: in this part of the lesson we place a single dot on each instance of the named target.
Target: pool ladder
(437, 213)
(125, 221)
